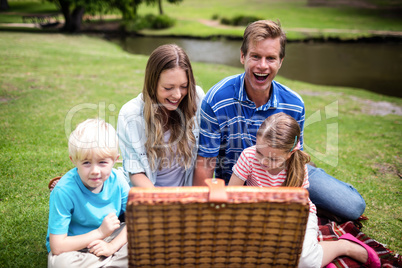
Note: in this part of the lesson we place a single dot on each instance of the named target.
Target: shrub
(215, 17)
(148, 21)
(136, 24)
(240, 20)
(160, 21)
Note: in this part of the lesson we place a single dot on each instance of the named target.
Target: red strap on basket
(217, 191)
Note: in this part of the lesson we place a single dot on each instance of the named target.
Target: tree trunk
(76, 19)
(73, 20)
(4, 5)
(160, 7)
(65, 9)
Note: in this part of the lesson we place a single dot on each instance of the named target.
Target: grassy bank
(49, 83)
(298, 19)
(195, 18)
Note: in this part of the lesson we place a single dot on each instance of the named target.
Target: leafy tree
(128, 8)
(74, 10)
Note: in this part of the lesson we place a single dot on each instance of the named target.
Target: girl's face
(271, 159)
(172, 88)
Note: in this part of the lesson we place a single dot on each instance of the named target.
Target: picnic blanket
(331, 230)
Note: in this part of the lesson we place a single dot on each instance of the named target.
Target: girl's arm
(235, 181)
(141, 180)
(64, 243)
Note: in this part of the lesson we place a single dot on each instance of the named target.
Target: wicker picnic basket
(216, 226)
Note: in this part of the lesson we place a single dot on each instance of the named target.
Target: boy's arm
(102, 248)
(64, 243)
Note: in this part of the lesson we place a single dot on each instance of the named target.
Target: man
(234, 108)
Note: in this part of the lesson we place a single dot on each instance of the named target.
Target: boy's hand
(109, 224)
(101, 248)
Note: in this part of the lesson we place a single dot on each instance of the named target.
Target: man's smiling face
(261, 64)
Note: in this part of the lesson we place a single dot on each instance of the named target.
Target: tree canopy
(73, 10)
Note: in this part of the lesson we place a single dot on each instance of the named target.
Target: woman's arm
(132, 138)
(140, 180)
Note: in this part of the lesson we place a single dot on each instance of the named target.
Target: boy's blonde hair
(93, 137)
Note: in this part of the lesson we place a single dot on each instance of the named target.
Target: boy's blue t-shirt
(75, 210)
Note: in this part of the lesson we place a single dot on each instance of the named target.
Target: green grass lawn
(49, 83)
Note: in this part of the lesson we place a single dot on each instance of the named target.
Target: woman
(158, 130)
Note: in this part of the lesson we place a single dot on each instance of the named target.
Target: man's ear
(280, 63)
(242, 57)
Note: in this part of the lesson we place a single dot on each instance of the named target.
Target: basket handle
(217, 191)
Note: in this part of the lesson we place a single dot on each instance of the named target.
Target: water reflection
(372, 66)
(376, 67)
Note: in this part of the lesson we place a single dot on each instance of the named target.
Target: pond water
(373, 66)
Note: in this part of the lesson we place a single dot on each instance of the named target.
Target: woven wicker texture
(180, 227)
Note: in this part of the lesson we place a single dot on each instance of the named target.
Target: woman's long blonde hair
(281, 131)
(179, 122)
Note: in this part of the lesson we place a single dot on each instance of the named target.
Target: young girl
(276, 160)
(158, 130)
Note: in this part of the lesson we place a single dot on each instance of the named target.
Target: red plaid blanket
(330, 230)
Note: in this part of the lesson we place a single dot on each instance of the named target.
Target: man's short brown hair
(261, 30)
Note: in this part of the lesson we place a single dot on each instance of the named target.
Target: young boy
(84, 229)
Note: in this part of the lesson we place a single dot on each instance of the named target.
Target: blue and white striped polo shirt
(230, 120)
